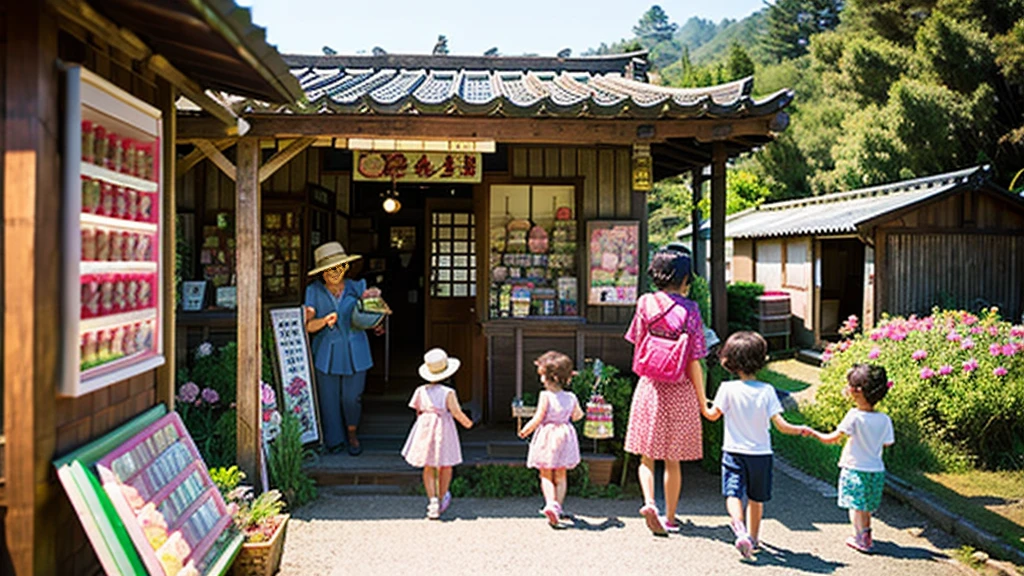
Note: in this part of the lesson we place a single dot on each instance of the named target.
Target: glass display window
(533, 251)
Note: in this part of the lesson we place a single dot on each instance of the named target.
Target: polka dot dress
(664, 418)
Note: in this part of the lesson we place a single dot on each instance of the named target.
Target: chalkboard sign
(162, 492)
(298, 390)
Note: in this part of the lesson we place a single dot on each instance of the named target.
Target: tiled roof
(839, 213)
(513, 87)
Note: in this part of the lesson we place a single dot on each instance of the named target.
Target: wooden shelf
(87, 325)
(98, 172)
(103, 266)
(108, 222)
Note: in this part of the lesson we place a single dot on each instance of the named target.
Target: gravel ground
(803, 532)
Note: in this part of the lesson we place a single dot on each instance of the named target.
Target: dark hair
(871, 380)
(557, 367)
(669, 268)
(744, 352)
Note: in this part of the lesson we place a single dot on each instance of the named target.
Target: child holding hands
(862, 477)
(433, 442)
(749, 406)
(554, 447)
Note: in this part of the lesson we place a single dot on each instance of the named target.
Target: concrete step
(810, 356)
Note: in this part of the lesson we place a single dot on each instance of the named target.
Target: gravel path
(803, 532)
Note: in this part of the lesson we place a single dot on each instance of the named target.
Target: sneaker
(745, 546)
(445, 502)
(551, 511)
(672, 527)
(755, 545)
(861, 542)
(433, 509)
(650, 514)
(868, 539)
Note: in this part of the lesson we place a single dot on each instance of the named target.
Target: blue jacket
(342, 349)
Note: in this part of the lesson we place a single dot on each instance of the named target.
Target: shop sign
(298, 392)
(613, 263)
(420, 167)
(643, 168)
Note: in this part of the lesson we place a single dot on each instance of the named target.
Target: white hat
(438, 366)
(329, 255)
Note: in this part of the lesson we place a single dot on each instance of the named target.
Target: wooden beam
(193, 158)
(719, 309)
(250, 317)
(165, 375)
(193, 92)
(701, 155)
(283, 156)
(575, 131)
(31, 296)
(697, 243)
(217, 157)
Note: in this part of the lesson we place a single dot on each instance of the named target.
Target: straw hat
(329, 255)
(438, 366)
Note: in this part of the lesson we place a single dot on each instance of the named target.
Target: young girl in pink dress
(554, 448)
(433, 442)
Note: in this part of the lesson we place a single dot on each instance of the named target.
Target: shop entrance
(842, 283)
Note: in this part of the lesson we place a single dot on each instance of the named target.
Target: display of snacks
(538, 240)
(541, 257)
(110, 150)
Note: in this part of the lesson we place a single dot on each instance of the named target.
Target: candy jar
(100, 137)
(128, 163)
(106, 199)
(88, 142)
(115, 153)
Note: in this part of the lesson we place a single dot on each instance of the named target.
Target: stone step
(809, 356)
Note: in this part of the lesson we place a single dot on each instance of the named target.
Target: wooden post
(247, 243)
(696, 242)
(31, 290)
(719, 310)
(165, 374)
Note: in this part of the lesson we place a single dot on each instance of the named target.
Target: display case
(112, 273)
(533, 251)
(292, 229)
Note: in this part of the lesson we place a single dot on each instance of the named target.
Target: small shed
(951, 240)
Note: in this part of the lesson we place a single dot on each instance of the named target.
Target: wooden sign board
(436, 167)
(297, 395)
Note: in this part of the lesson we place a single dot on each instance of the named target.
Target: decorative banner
(293, 361)
(416, 166)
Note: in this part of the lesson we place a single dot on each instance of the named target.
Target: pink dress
(433, 440)
(664, 418)
(554, 443)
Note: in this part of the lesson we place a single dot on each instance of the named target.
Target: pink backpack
(661, 352)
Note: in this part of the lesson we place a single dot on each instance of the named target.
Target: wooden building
(567, 145)
(954, 240)
(121, 65)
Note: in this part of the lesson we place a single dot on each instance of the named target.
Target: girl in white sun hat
(433, 442)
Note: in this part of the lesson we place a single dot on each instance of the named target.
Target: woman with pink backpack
(665, 416)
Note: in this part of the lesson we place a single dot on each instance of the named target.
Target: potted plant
(260, 519)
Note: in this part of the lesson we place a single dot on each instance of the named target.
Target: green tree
(654, 26)
(743, 189)
(739, 65)
(791, 23)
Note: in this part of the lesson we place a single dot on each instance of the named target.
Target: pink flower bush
(875, 353)
(210, 396)
(919, 354)
(945, 370)
(926, 373)
(188, 393)
(953, 336)
(995, 349)
(970, 365)
(1009, 350)
(967, 344)
(999, 371)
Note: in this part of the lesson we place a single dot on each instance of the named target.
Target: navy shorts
(747, 475)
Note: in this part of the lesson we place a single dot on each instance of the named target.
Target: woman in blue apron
(341, 351)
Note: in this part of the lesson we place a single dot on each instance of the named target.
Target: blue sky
(411, 26)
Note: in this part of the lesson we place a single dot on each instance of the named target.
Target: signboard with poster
(298, 389)
(613, 262)
(430, 167)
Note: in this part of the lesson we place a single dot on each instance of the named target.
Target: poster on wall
(297, 395)
(613, 262)
(464, 167)
(113, 269)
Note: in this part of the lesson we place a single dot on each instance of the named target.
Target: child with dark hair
(862, 475)
(749, 406)
(554, 448)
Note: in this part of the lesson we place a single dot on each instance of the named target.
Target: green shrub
(617, 391)
(958, 389)
(743, 305)
(700, 293)
(285, 464)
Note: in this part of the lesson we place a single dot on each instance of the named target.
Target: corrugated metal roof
(503, 86)
(839, 213)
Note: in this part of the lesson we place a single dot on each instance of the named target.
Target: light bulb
(392, 205)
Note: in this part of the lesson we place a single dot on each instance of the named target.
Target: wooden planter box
(601, 468)
(261, 558)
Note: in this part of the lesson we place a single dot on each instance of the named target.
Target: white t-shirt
(868, 432)
(748, 406)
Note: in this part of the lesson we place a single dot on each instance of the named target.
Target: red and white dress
(664, 418)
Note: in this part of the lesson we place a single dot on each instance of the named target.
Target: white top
(868, 432)
(748, 406)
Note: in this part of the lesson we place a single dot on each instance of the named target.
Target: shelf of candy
(103, 346)
(105, 148)
(282, 253)
(217, 255)
(163, 493)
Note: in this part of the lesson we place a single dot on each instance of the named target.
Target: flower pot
(261, 558)
(600, 467)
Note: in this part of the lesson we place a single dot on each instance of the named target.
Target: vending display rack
(112, 268)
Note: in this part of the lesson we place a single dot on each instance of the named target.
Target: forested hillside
(885, 89)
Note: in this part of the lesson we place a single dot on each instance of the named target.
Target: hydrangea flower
(995, 349)
(919, 354)
(970, 365)
(210, 396)
(945, 370)
(967, 344)
(999, 371)
(267, 395)
(875, 353)
(188, 392)
(1017, 331)
(993, 330)
(977, 330)
(1009, 349)
(953, 336)
(876, 335)
(927, 373)
(204, 350)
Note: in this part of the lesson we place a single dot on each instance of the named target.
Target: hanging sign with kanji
(417, 166)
